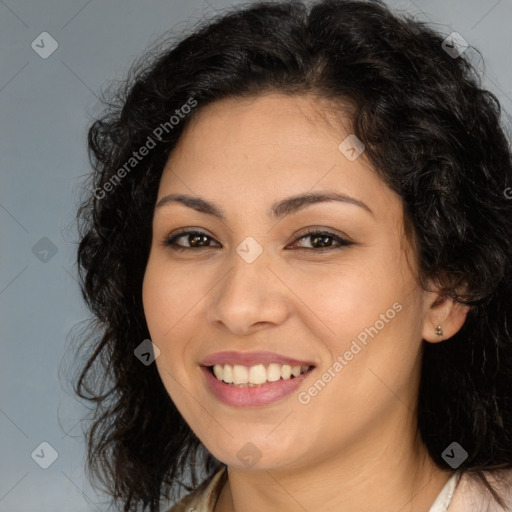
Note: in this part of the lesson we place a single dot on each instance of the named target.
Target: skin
(354, 444)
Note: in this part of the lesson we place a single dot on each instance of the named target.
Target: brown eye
(319, 241)
(324, 240)
(194, 239)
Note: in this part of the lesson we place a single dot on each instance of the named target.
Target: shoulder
(204, 497)
(472, 495)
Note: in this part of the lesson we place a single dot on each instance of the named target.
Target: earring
(439, 330)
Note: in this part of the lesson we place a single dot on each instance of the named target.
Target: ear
(442, 314)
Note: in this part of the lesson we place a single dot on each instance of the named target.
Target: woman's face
(254, 281)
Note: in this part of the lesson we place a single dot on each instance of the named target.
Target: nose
(248, 298)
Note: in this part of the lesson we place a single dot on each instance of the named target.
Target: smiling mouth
(257, 375)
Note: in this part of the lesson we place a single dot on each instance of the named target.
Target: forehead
(261, 149)
(270, 119)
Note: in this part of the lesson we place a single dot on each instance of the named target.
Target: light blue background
(45, 108)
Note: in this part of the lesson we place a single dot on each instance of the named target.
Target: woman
(297, 250)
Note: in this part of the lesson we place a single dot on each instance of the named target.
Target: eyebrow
(278, 210)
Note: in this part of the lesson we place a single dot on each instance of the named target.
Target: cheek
(165, 307)
(162, 310)
(168, 296)
(371, 299)
(154, 298)
(350, 296)
(173, 299)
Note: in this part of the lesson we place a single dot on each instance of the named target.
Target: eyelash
(170, 241)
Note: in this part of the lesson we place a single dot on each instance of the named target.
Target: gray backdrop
(46, 102)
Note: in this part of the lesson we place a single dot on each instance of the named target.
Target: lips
(252, 359)
(245, 396)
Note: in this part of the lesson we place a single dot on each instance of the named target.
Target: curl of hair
(433, 135)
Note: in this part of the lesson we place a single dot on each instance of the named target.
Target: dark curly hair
(431, 132)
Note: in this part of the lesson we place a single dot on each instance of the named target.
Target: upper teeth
(238, 374)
